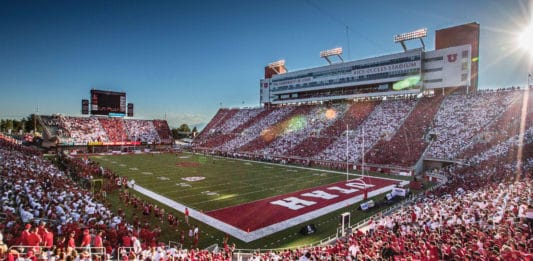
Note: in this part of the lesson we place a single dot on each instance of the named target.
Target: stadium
(394, 157)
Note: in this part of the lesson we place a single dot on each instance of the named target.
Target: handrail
(26, 248)
(39, 249)
(123, 251)
(99, 251)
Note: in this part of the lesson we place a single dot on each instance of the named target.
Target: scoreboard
(108, 102)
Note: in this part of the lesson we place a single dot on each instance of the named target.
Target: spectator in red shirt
(71, 241)
(40, 230)
(86, 240)
(34, 239)
(126, 240)
(24, 235)
(98, 240)
(48, 239)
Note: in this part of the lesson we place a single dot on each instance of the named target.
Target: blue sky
(183, 59)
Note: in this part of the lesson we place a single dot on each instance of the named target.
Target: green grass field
(227, 182)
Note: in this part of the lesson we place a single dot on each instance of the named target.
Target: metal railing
(37, 250)
(123, 251)
(98, 251)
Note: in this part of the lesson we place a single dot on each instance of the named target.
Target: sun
(525, 39)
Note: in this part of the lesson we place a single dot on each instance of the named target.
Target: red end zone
(258, 214)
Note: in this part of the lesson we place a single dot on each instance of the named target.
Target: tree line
(25, 124)
(184, 131)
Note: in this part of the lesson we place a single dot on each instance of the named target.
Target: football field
(246, 199)
(207, 183)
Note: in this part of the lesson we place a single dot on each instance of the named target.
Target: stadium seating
(114, 127)
(381, 123)
(163, 130)
(220, 117)
(255, 129)
(221, 133)
(82, 130)
(480, 213)
(505, 126)
(461, 118)
(406, 147)
(276, 131)
(300, 127)
(140, 130)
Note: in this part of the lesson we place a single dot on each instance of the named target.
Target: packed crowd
(225, 131)
(114, 128)
(507, 125)
(162, 129)
(455, 126)
(238, 119)
(210, 129)
(82, 130)
(461, 118)
(409, 139)
(36, 193)
(382, 122)
(53, 218)
(276, 131)
(303, 126)
(313, 145)
(256, 129)
(141, 130)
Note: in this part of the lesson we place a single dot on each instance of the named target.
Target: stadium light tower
(278, 66)
(417, 34)
(332, 52)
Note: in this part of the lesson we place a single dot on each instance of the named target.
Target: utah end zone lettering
(295, 203)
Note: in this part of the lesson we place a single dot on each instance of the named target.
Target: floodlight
(411, 35)
(417, 34)
(332, 52)
(280, 63)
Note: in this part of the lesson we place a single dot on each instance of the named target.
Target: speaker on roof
(84, 106)
(130, 109)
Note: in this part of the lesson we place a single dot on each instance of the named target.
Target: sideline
(352, 175)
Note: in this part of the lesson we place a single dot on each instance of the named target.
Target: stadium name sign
(387, 68)
(293, 81)
(295, 203)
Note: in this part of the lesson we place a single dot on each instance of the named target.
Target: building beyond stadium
(452, 66)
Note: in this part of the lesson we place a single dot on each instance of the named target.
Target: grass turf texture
(227, 182)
